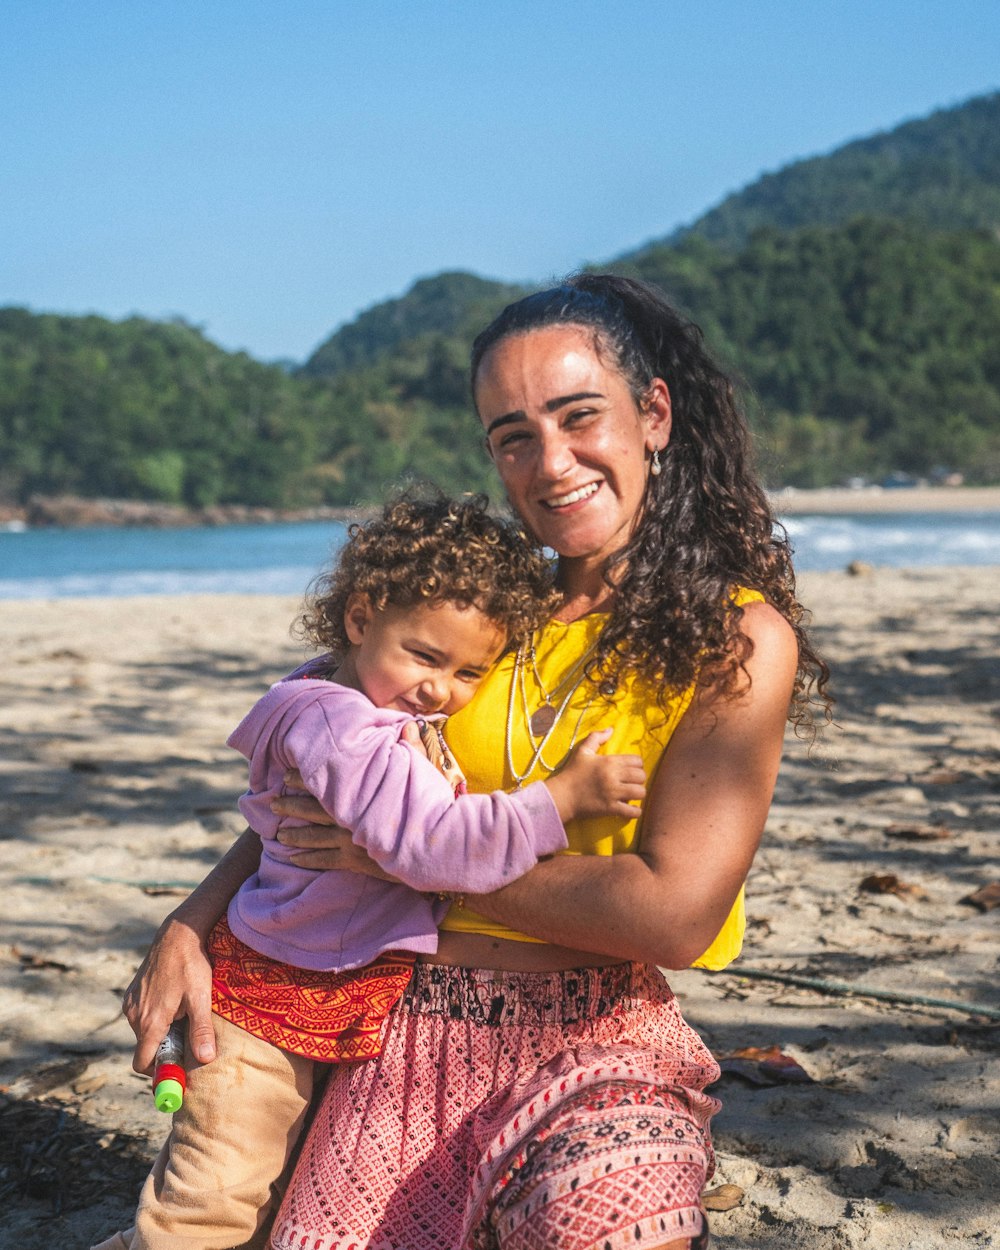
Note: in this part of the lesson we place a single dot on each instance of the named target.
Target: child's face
(422, 659)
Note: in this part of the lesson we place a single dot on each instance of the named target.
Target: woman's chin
(574, 540)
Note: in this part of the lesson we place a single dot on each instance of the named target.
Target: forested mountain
(942, 171)
(145, 409)
(868, 347)
(867, 344)
(864, 348)
(450, 304)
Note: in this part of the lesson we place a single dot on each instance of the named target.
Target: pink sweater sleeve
(402, 811)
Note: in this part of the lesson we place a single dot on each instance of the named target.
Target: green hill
(447, 305)
(145, 409)
(152, 410)
(868, 347)
(942, 171)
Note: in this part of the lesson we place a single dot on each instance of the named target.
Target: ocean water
(229, 559)
(282, 559)
(903, 540)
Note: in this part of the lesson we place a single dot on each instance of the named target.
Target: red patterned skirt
(513, 1111)
(335, 1017)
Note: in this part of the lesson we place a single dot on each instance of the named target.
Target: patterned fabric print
(335, 1017)
(619, 1166)
(411, 1150)
(483, 996)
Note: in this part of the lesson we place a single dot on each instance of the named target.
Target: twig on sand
(824, 986)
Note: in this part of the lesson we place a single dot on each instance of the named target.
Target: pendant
(542, 720)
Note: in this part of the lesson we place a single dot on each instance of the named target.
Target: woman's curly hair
(706, 525)
(433, 550)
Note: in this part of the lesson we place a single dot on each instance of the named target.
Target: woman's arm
(702, 822)
(175, 978)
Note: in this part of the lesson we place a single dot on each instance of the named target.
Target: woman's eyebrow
(506, 419)
(551, 405)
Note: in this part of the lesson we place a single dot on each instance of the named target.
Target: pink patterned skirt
(513, 1111)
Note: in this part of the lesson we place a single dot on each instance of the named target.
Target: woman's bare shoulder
(771, 634)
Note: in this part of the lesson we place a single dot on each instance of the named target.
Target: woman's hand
(174, 980)
(325, 844)
(329, 846)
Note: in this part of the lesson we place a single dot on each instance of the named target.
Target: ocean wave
(275, 581)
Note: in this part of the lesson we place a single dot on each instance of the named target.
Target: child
(307, 964)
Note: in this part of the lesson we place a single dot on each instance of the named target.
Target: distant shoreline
(71, 512)
(841, 501)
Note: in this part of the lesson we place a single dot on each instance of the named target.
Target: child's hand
(589, 784)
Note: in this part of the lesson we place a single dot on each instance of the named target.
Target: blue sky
(267, 170)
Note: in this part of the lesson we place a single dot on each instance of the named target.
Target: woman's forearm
(206, 903)
(604, 905)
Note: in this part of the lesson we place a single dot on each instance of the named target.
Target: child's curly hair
(433, 550)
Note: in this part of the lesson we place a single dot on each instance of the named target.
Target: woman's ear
(658, 415)
(357, 617)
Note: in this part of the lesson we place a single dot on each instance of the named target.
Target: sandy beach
(838, 500)
(117, 793)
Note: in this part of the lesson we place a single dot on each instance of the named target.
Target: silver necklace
(542, 727)
(540, 721)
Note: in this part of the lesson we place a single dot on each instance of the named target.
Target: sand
(118, 793)
(838, 500)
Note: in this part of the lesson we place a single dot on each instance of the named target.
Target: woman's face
(569, 441)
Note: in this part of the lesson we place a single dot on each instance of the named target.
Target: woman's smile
(574, 496)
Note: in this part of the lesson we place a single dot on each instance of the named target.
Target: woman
(538, 1086)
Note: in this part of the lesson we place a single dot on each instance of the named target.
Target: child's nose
(435, 692)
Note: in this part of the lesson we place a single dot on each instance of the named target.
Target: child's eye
(470, 676)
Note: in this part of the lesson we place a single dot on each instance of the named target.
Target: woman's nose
(555, 457)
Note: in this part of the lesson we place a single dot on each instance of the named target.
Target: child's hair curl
(433, 550)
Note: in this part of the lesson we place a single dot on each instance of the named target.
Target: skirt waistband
(492, 997)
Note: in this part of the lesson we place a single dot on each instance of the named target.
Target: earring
(655, 467)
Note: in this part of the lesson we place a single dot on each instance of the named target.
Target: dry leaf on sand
(722, 1198)
(918, 833)
(764, 1066)
(889, 883)
(985, 899)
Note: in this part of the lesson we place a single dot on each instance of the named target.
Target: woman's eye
(509, 440)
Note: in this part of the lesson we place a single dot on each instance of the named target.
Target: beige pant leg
(213, 1183)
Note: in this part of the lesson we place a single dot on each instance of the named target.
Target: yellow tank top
(477, 735)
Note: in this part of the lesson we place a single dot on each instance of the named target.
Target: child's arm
(402, 811)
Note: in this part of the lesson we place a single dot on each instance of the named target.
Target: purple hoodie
(398, 807)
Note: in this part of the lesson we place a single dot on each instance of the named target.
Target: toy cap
(168, 1096)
